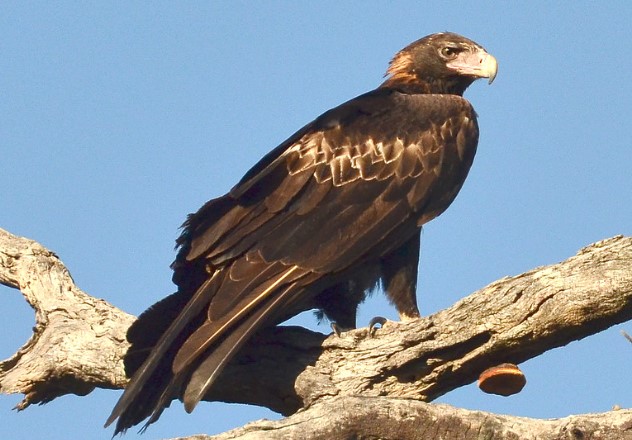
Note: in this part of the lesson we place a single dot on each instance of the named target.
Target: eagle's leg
(339, 303)
(399, 272)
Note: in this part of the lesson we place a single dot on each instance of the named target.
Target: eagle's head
(440, 63)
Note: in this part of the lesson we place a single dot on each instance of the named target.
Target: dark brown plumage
(317, 222)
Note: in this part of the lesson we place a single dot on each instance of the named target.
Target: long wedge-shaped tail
(191, 353)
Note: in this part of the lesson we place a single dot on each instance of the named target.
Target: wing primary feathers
(210, 368)
(210, 332)
(192, 308)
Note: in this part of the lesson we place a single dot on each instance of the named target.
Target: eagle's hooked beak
(489, 67)
(478, 64)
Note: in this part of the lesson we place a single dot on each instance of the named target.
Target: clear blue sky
(117, 119)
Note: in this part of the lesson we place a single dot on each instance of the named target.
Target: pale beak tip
(491, 67)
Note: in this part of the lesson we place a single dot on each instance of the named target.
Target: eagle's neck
(414, 85)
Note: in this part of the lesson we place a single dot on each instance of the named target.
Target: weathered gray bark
(348, 417)
(78, 341)
(511, 320)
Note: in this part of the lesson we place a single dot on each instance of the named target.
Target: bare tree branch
(394, 418)
(79, 341)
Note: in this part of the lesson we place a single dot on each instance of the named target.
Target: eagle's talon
(337, 329)
(375, 321)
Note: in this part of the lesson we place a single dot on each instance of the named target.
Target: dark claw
(375, 321)
(336, 328)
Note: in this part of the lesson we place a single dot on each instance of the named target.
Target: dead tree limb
(350, 417)
(79, 341)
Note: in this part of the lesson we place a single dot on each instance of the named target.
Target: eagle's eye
(449, 52)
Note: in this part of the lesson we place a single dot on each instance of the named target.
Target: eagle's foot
(374, 322)
(338, 330)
